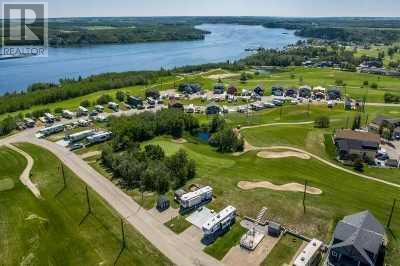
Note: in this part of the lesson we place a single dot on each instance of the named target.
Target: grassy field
(343, 193)
(224, 243)
(283, 252)
(178, 224)
(47, 231)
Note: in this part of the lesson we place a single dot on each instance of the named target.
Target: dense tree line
(7, 125)
(147, 125)
(43, 93)
(149, 169)
(223, 137)
(296, 56)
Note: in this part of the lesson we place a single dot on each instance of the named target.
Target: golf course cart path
(176, 248)
(26, 174)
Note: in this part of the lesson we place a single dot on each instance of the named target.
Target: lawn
(343, 193)
(178, 224)
(283, 252)
(224, 243)
(47, 231)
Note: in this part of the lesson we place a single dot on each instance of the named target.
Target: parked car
(76, 146)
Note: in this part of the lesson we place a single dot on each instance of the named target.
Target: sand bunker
(282, 154)
(223, 76)
(179, 141)
(291, 187)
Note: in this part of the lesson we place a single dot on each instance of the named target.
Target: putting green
(6, 184)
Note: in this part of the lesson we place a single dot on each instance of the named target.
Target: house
(187, 88)
(162, 203)
(259, 90)
(135, 101)
(219, 88)
(334, 94)
(232, 90)
(291, 92)
(278, 91)
(380, 123)
(358, 239)
(349, 143)
(305, 92)
(213, 109)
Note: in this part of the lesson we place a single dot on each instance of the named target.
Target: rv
(80, 136)
(51, 130)
(220, 222)
(29, 122)
(311, 254)
(196, 198)
(49, 118)
(82, 111)
(99, 137)
(113, 106)
(67, 114)
(99, 108)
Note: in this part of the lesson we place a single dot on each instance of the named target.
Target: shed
(274, 229)
(162, 203)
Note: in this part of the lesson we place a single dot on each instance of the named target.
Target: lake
(226, 42)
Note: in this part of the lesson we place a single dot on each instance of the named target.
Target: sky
(288, 8)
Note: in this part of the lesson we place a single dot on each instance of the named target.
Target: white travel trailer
(310, 255)
(99, 108)
(80, 135)
(99, 137)
(29, 122)
(49, 118)
(50, 130)
(223, 220)
(67, 114)
(196, 198)
(113, 106)
(82, 111)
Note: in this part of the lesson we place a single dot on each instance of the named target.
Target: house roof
(381, 119)
(359, 233)
(348, 134)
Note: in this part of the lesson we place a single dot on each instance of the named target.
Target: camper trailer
(29, 122)
(113, 106)
(67, 114)
(82, 111)
(99, 137)
(49, 118)
(310, 255)
(99, 108)
(80, 135)
(196, 198)
(51, 130)
(220, 222)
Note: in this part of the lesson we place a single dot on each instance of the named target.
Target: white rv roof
(83, 109)
(308, 252)
(219, 217)
(99, 134)
(81, 133)
(191, 195)
(49, 128)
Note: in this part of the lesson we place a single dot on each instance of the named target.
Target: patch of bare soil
(282, 154)
(290, 187)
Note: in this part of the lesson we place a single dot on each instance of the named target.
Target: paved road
(176, 248)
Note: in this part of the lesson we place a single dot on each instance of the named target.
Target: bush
(153, 93)
(391, 98)
(85, 103)
(104, 99)
(359, 165)
(120, 95)
(322, 122)
(374, 85)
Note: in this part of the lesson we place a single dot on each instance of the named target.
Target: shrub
(322, 122)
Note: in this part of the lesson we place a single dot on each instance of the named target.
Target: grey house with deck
(358, 240)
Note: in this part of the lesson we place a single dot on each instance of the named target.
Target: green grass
(343, 193)
(224, 243)
(330, 148)
(47, 231)
(178, 224)
(283, 252)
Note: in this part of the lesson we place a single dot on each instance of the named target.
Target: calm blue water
(226, 42)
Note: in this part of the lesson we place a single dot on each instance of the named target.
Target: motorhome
(220, 222)
(80, 135)
(50, 130)
(99, 137)
(196, 198)
(67, 114)
(113, 106)
(82, 111)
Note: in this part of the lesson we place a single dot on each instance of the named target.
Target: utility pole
(63, 175)
(366, 120)
(123, 234)
(308, 108)
(304, 196)
(391, 214)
